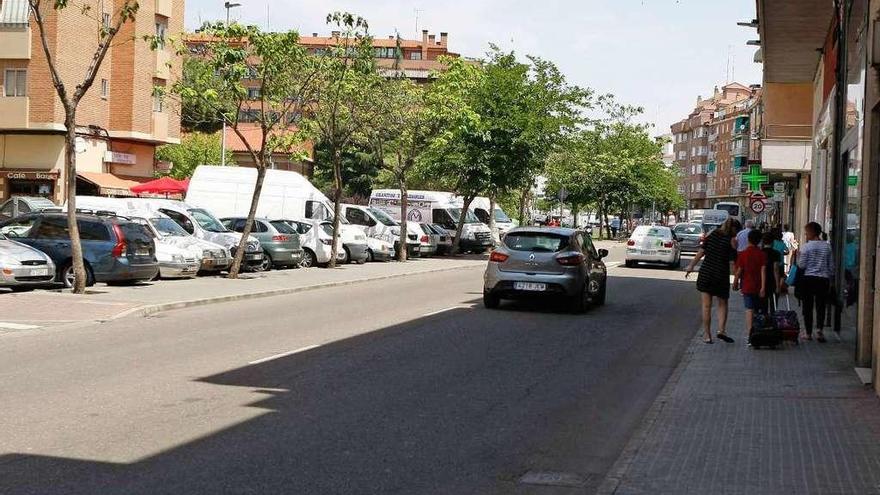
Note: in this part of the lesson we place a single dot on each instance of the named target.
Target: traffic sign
(778, 197)
(779, 187)
(757, 205)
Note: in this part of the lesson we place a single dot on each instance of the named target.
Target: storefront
(29, 183)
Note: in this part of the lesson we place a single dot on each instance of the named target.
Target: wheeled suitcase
(787, 322)
(764, 332)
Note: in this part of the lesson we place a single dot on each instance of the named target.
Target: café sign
(119, 157)
(31, 175)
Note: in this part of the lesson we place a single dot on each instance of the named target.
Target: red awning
(164, 185)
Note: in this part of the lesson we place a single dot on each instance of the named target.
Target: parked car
(19, 205)
(553, 262)
(689, 235)
(444, 241)
(170, 237)
(280, 241)
(316, 239)
(115, 249)
(379, 250)
(22, 267)
(653, 244)
(427, 240)
(376, 223)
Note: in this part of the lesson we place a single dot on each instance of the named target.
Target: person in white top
(791, 244)
(742, 238)
(816, 267)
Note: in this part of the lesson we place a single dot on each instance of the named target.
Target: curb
(621, 466)
(162, 307)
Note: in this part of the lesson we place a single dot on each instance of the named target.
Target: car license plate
(39, 272)
(530, 286)
(648, 251)
(257, 256)
(142, 252)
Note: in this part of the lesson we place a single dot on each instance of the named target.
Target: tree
(346, 72)
(253, 80)
(194, 149)
(197, 114)
(71, 96)
(406, 122)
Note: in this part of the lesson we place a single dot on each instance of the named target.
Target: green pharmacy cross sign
(755, 179)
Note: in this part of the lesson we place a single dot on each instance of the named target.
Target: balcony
(740, 148)
(163, 8)
(14, 112)
(163, 60)
(160, 126)
(15, 43)
(741, 125)
(713, 137)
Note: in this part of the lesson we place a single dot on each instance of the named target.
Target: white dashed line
(283, 354)
(17, 326)
(432, 313)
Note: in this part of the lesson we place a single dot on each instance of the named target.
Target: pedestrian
(774, 266)
(778, 244)
(815, 263)
(742, 238)
(791, 244)
(713, 281)
(751, 278)
(615, 226)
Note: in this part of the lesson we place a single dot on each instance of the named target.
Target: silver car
(22, 267)
(538, 261)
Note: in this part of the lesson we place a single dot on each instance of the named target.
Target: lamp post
(228, 5)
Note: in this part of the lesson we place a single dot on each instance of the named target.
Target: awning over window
(14, 13)
(112, 185)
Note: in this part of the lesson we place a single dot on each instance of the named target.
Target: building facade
(119, 121)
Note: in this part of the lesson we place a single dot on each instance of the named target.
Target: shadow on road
(464, 401)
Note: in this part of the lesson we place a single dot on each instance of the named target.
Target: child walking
(751, 278)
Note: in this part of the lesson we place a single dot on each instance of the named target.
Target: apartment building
(119, 121)
(729, 143)
(414, 59)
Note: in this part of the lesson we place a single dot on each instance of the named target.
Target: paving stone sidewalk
(733, 420)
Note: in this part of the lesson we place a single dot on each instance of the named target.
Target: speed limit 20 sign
(757, 205)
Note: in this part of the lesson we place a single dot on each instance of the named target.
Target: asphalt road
(405, 386)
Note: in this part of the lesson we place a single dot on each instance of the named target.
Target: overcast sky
(660, 54)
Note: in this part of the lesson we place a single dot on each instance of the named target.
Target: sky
(657, 54)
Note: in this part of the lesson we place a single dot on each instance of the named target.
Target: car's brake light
(497, 257)
(280, 238)
(119, 250)
(570, 260)
(667, 244)
(425, 239)
(630, 242)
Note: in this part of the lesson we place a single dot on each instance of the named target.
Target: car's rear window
(645, 231)
(690, 228)
(538, 242)
(136, 232)
(283, 227)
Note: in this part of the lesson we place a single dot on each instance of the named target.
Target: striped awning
(14, 13)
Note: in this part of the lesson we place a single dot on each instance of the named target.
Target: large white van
(443, 208)
(379, 225)
(732, 209)
(202, 224)
(176, 249)
(227, 191)
(480, 206)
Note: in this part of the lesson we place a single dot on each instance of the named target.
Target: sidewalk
(104, 302)
(732, 420)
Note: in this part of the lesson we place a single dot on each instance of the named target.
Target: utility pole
(229, 6)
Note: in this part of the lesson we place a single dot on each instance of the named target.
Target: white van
(202, 224)
(732, 209)
(179, 253)
(503, 223)
(379, 225)
(443, 208)
(227, 191)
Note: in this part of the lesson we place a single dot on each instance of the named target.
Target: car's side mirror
(603, 253)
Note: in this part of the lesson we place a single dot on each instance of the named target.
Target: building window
(105, 20)
(385, 52)
(161, 28)
(253, 93)
(415, 56)
(15, 82)
(105, 88)
(158, 103)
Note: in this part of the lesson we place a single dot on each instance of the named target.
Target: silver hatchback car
(539, 261)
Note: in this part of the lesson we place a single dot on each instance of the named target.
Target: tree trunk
(456, 244)
(404, 206)
(79, 268)
(523, 199)
(574, 214)
(492, 217)
(599, 216)
(337, 199)
(248, 225)
(605, 213)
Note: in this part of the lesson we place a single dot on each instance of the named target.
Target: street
(396, 386)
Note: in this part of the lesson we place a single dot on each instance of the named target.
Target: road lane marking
(613, 264)
(432, 313)
(284, 354)
(17, 326)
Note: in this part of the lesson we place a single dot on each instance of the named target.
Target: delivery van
(227, 191)
(443, 208)
(503, 223)
(379, 225)
(732, 209)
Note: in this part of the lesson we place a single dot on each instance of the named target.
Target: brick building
(120, 122)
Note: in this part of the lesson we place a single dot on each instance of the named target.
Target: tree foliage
(195, 149)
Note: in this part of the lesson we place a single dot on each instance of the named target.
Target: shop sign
(31, 175)
(119, 157)
(779, 187)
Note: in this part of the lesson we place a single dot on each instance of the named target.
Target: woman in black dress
(713, 281)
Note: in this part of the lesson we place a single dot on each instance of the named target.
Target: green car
(280, 241)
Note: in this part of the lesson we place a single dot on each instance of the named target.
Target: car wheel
(308, 259)
(580, 301)
(600, 298)
(370, 257)
(629, 263)
(265, 265)
(479, 251)
(66, 276)
(347, 258)
(491, 301)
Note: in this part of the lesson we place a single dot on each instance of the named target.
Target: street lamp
(229, 6)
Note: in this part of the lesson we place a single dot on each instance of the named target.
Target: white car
(316, 239)
(379, 250)
(653, 244)
(22, 267)
(182, 255)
